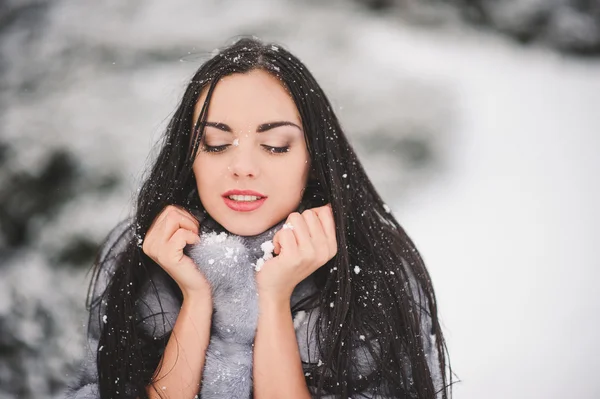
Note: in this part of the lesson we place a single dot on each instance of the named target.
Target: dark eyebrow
(272, 125)
(220, 126)
(261, 128)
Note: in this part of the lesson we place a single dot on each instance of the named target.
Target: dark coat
(86, 386)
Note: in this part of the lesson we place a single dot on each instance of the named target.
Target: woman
(339, 304)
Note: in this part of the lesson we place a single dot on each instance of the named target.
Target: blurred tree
(572, 26)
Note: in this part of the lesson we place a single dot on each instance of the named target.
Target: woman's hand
(306, 242)
(170, 232)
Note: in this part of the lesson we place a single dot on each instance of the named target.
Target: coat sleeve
(85, 385)
(431, 353)
(305, 324)
(429, 338)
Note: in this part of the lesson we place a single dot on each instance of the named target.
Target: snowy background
(478, 120)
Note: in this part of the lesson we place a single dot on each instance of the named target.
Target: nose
(243, 164)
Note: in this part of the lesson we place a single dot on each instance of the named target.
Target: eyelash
(268, 148)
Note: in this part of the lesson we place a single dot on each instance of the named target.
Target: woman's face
(253, 162)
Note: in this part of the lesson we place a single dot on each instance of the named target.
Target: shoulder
(426, 308)
(116, 240)
(113, 246)
(105, 265)
(156, 306)
(364, 356)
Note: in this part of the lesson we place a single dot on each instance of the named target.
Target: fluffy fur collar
(230, 263)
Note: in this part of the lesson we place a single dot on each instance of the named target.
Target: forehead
(252, 98)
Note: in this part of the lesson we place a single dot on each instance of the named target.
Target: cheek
(209, 165)
(203, 177)
(293, 175)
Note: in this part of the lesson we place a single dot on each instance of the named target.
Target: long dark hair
(378, 304)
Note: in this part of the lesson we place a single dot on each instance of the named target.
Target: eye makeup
(267, 148)
(276, 150)
(217, 136)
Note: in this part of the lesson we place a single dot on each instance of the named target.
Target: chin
(248, 224)
(243, 225)
(242, 229)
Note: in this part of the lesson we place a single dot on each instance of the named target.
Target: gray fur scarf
(229, 263)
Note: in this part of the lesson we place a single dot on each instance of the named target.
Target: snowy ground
(504, 215)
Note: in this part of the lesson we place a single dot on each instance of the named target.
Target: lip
(240, 206)
(243, 192)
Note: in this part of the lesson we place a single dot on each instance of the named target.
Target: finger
(300, 229)
(169, 212)
(276, 244)
(314, 225)
(187, 214)
(184, 213)
(163, 215)
(176, 220)
(287, 242)
(325, 215)
(180, 239)
(319, 240)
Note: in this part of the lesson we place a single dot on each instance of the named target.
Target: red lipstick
(243, 192)
(244, 206)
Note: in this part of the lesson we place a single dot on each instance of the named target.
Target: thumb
(277, 243)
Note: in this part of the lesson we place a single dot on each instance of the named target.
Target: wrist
(274, 301)
(201, 298)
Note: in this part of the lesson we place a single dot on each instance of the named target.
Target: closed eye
(276, 150)
(268, 148)
(216, 148)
